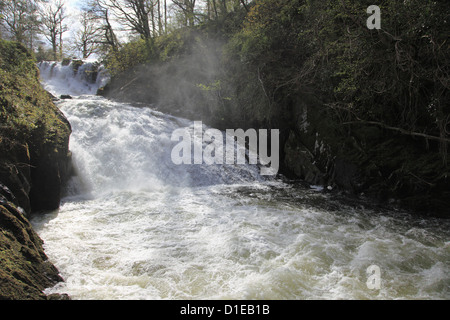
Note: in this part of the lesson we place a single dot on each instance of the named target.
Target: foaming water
(73, 79)
(136, 226)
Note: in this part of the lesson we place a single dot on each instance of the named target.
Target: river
(133, 225)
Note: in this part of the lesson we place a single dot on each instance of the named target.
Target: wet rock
(57, 296)
(66, 61)
(76, 64)
(6, 194)
(25, 271)
(15, 171)
(300, 160)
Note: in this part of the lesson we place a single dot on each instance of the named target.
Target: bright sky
(73, 9)
(73, 3)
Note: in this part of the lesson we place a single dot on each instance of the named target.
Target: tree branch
(403, 131)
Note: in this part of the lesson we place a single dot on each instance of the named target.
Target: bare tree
(165, 16)
(20, 20)
(106, 37)
(53, 16)
(188, 9)
(134, 14)
(86, 39)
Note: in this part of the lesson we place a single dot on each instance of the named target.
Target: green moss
(21, 262)
(26, 109)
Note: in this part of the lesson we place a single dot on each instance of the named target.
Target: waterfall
(74, 78)
(117, 146)
(136, 226)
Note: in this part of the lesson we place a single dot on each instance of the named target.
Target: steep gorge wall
(34, 166)
(367, 161)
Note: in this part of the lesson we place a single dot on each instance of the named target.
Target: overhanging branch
(403, 131)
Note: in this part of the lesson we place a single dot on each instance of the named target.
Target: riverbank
(34, 166)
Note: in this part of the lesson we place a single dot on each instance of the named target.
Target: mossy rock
(25, 271)
(34, 165)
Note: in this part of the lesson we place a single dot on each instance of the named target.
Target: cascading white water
(71, 80)
(136, 226)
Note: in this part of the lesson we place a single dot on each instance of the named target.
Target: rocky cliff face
(368, 160)
(24, 268)
(34, 166)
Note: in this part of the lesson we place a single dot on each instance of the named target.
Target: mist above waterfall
(189, 86)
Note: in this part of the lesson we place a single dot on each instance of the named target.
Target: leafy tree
(129, 55)
(384, 93)
(43, 54)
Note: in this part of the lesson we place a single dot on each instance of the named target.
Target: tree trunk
(54, 48)
(160, 31)
(152, 13)
(215, 9)
(165, 16)
(60, 40)
(245, 5)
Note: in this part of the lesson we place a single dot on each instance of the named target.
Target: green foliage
(170, 45)
(130, 55)
(43, 54)
(265, 57)
(15, 58)
(371, 89)
(215, 86)
(397, 75)
(160, 49)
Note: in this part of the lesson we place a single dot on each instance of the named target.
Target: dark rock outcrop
(384, 166)
(25, 271)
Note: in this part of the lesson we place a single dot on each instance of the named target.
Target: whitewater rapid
(135, 226)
